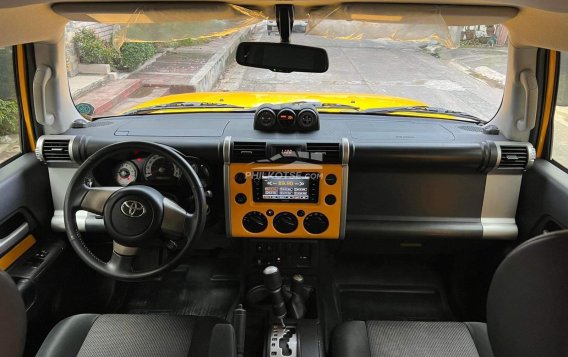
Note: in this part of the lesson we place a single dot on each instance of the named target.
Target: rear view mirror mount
(282, 57)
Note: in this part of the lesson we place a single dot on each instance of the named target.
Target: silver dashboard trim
(86, 222)
(226, 178)
(532, 156)
(501, 196)
(531, 153)
(498, 162)
(39, 148)
(81, 217)
(499, 228)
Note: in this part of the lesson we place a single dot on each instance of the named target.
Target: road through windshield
(469, 78)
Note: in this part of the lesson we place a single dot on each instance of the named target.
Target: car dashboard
(368, 176)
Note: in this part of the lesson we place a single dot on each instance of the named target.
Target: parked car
(299, 26)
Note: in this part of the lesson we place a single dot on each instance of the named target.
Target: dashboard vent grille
(514, 157)
(476, 129)
(248, 151)
(55, 150)
(331, 152)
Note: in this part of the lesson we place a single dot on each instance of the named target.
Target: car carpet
(187, 290)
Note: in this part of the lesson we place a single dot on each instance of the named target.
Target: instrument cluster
(149, 169)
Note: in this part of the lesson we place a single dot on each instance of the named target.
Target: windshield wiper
(423, 109)
(181, 105)
(321, 105)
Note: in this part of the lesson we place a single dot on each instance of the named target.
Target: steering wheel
(134, 216)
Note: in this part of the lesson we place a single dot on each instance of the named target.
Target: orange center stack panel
(293, 200)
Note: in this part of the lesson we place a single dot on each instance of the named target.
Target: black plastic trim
(414, 229)
(476, 157)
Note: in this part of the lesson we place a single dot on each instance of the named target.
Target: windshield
(111, 73)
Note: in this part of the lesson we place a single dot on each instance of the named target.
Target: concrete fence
(209, 74)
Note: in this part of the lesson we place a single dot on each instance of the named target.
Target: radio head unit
(285, 186)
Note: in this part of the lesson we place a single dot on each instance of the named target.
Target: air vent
(476, 129)
(54, 149)
(248, 151)
(514, 157)
(330, 152)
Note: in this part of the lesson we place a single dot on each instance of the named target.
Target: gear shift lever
(273, 283)
(296, 304)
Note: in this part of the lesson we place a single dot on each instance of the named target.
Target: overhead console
(286, 190)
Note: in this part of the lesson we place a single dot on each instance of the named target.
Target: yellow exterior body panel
(249, 100)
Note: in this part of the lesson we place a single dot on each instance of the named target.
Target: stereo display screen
(285, 188)
(282, 186)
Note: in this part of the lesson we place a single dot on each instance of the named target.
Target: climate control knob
(285, 222)
(316, 223)
(255, 222)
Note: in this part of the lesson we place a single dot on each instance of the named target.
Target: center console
(293, 326)
(286, 190)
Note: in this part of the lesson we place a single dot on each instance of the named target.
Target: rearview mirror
(282, 57)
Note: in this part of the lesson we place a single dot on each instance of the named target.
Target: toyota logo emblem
(133, 209)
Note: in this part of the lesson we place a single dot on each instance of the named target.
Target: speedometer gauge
(159, 168)
(126, 173)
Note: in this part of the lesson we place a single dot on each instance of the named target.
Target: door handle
(9, 241)
(530, 86)
(42, 75)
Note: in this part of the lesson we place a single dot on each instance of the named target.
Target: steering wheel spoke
(177, 221)
(95, 198)
(122, 258)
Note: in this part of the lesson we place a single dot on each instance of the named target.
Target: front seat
(12, 318)
(115, 335)
(91, 335)
(527, 315)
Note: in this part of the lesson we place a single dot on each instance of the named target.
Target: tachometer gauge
(159, 168)
(126, 173)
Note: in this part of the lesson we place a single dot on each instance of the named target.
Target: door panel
(543, 203)
(26, 195)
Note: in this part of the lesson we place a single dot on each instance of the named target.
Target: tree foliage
(9, 117)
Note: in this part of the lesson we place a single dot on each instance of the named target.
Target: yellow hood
(249, 100)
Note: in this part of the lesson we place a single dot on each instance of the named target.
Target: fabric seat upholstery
(410, 339)
(12, 318)
(91, 335)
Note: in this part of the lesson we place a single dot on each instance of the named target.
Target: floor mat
(180, 293)
(382, 303)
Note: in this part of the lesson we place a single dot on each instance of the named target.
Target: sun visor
(380, 21)
(148, 23)
(159, 22)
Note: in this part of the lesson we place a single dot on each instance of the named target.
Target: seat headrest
(527, 305)
(12, 318)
